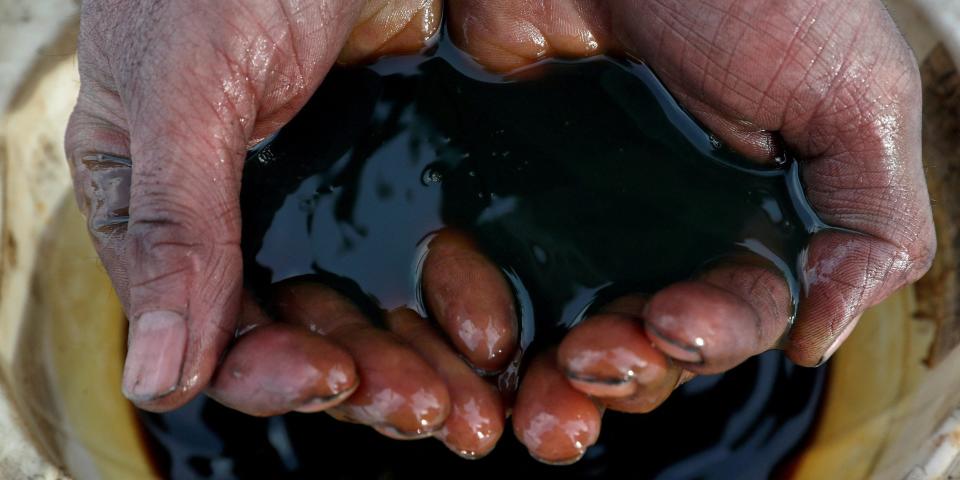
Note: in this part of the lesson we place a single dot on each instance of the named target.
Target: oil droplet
(539, 253)
(715, 142)
(431, 175)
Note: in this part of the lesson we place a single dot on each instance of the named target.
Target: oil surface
(581, 180)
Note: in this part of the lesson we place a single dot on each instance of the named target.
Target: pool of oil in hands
(581, 180)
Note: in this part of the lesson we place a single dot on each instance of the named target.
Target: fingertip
(391, 28)
(806, 355)
(279, 368)
(471, 300)
(602, 388)
(400, 394)
(502, 37)
(477, 416)
(649, 396)
(323, 402)
(704, 328)
(556, 422)
(609, 355)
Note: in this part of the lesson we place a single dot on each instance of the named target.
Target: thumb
(162, 208)
(184, 265)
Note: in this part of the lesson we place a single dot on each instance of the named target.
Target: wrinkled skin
(183, 88)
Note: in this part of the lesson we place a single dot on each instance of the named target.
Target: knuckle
(176, 190)
(171, 243)
(163, 233)
(165, 215)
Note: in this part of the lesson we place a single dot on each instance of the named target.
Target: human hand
(831, 82)
(172, 95)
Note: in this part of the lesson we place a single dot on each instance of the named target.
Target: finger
(858, 141)
(556, 422)
(503, 35)
(399, 395)
(303, 371)
(610, 357)
(391, 27)
(651, 395)
(471, 300)
(476, 414)
(279, 368)
(730, 313)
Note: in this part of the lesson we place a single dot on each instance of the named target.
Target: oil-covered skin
(609, 355)
(325, 372)
(477, 413)
(555, 421)
(399, 393)
(471, 300)
(616, 328)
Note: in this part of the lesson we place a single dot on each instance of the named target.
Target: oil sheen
(582, 181)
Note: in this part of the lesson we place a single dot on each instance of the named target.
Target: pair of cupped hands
(173, 94)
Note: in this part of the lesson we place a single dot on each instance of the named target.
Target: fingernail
(839, 341)
(676, 349)
(395, 433)
(154, 355)
(318, 404)
(559, 463)
(603, 387)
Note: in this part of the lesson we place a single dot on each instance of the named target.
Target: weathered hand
(171, 97)
(832, 82)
